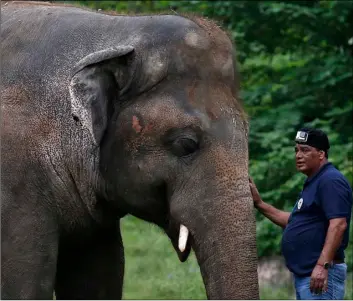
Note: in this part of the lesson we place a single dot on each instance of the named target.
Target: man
(316, 231)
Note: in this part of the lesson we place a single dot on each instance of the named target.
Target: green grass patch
(152, 267)
(278, 293)
(349, 287)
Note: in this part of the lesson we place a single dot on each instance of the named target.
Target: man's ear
(97, 81)
(322, 154)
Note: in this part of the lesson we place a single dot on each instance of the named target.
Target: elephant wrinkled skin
(106, 115)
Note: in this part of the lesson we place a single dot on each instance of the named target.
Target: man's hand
(255, 194)
(318, 282)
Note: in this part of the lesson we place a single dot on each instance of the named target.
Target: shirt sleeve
(335, 198)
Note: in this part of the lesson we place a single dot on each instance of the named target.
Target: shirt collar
(319, 172)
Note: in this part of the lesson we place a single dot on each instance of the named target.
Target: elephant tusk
(183, 238)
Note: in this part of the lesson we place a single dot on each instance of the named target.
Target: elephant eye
(184, 146)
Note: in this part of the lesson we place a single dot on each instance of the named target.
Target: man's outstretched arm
(277, 216)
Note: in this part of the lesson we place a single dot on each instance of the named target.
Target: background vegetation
(295, 60)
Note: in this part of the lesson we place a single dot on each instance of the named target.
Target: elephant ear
(96, 83)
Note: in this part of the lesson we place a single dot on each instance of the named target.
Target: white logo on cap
(300, 203)
(301, 136)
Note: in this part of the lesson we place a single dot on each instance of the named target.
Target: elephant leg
(29, 248)
(93, 270)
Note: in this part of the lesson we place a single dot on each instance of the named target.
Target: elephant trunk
(227, 252)
(223, 236)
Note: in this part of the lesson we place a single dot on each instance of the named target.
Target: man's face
(308, 159)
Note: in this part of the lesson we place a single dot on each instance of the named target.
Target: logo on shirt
(300, 203)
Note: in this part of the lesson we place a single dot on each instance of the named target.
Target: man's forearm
(277, 216)
(333, 240)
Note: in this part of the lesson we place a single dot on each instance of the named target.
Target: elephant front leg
(93, 270)
(29, 247)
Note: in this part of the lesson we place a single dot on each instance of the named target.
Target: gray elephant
(104, 116)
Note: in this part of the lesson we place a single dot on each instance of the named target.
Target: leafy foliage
(295, 60)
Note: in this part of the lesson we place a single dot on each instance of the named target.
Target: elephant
(107, 115)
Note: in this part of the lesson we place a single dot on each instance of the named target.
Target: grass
(152, 267)
(153, 270)
(349, 287)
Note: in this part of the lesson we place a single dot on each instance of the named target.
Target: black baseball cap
(313, 137)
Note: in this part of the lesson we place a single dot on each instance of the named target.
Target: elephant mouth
(181, 239)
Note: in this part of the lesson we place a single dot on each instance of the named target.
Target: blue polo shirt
(325, 195)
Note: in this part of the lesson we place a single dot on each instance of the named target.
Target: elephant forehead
(165, 113)
(209, 48)
(214, 98)
(196, 40)
(203, 62)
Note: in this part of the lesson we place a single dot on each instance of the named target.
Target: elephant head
(165, 115)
